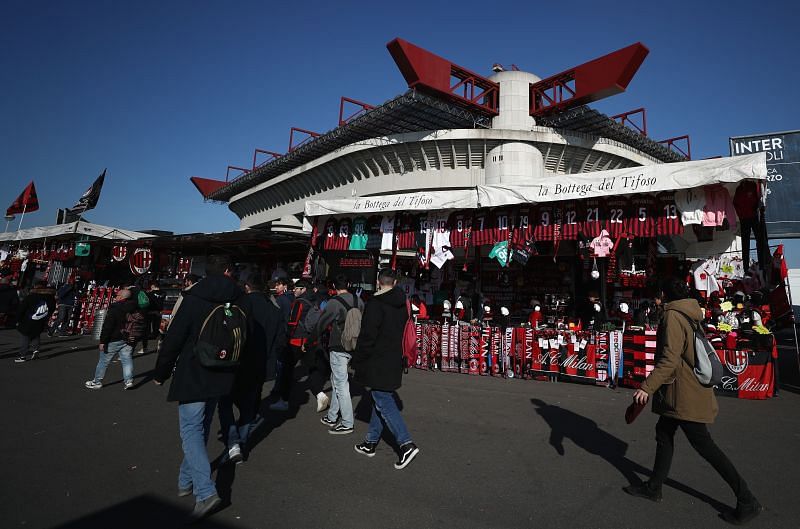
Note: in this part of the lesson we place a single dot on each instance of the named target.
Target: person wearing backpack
(342, 315)
(120, 327)
(304, 311)
(683, 402)
(32, 316)
(196, 385)
(378, 361)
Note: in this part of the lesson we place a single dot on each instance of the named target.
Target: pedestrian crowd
(224, 341)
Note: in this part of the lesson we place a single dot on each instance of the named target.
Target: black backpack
(222, 337)
(135, 327)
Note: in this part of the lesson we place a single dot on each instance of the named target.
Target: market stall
(560, 280)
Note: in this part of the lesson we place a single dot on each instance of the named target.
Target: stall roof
(77, 228)
(633, 180)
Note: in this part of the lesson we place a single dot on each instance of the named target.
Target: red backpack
(409, 340)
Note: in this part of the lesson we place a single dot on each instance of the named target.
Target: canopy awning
(642, 179)
(79, 227)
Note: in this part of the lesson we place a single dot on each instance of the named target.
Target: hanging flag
(90, 197)
(26, 202)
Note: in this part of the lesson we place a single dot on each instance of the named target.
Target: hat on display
(459, 304)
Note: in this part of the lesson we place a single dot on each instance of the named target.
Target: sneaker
(280, 405)
(643, 491)
(327, 422)
(743, 513)
(323, 401)
(407, 454)
(20, 359)
(182, 493)
(205, 507)
(128, 384)
(340, 429)
(34, 355)
(93, 384)
(235, 454)
(366, 448)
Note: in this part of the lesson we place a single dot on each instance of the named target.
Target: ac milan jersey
(342, 239)
(523, 226)
(329, 234)
(642, 220)
(406, 229)
(503, 224)
(424, 229)
(441, 232)
(460, 226)
(387, 233)
(669, 218)
(570, 220)
(617, 215)
(374, 234)
(484, 229)
(544, 226)
(358, 239)
(594, 217)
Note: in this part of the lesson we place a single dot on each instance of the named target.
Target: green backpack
(142, 300)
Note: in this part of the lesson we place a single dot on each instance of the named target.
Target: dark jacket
(9, 299)
(285, 303)
(266, 338)
(116, 316)
(192, 382)
(299, 334)
(334, 315)
(378, 358)
(30, 321)
(672, 385)
(66, 294)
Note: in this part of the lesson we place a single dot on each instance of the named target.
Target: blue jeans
(238, 432)
(384, 409)
(194, 419)
(125, 352)
(340, 396)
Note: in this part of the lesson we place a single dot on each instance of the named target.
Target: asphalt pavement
(494, 453)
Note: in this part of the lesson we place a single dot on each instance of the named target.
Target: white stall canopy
(641, 179)
(97, 231)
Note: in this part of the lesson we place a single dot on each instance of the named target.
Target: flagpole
(24, 208)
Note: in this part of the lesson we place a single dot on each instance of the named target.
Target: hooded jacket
(672, 385)
(378, 358)
(115, 320)
(192, 382)
(31, 319)
(334, 315)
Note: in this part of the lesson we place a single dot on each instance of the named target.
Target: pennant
(90, 197)
(26, 202)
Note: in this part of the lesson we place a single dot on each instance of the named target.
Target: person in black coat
(195, 387)
(9, 301)
(378, 362)
(32, 316)
(116, 339)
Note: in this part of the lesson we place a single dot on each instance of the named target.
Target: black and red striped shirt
(460, 226)
(374, 234)
(544, 224)
(669, 218)
(570, 220)
(504, 224)
(523, 226)
(406, 231)
(484, 229)
(594, 217)
(617, 214)
(642, 220)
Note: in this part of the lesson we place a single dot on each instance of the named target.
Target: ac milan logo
(736, 361)
(119, 253)
(223, 354)
(141, 259)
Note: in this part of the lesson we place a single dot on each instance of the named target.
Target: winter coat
(719, 207)
(66, 294)
(334, 315)
(378, 358)
(266, 338)
(192, 381)
(9, 299)
(672, 385)
(30, 321)
(114, 322)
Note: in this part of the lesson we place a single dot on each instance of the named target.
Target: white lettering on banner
(749, 384)
(571, 362)
(772, 146)
(419, 201)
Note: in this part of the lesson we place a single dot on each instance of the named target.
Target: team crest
(736, 361)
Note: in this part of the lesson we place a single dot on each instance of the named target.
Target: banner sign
(418, 201)
(783, 178)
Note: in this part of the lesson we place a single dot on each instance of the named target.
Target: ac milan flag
(25, 203)
(90, 197)
(140, 261)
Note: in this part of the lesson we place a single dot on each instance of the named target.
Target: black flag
(90, 197)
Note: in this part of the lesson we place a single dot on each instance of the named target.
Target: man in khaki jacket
(682, 402)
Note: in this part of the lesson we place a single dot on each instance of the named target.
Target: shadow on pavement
(142, 511)
(584, 433)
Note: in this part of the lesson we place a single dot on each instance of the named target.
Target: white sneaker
(128, 384)
(323, 401)
(91, 384)
(280, 405)
(235, 454)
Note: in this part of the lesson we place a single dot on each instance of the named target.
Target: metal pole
(24, 208)
(794, 324)
(7, 223)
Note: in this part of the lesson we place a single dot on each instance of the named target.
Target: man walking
(334, 317)
(66, 300)
(378, 361)
(284, 296)
(682, 402)
(32, 317)
(195, 387)
(117, 337)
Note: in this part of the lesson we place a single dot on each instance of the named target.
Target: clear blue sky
(159, 91)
